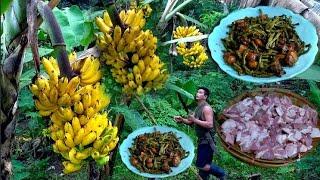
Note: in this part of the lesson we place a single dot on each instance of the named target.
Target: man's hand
(178, 119)
(191, 117)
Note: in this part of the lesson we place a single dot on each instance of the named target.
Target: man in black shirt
(202, 118)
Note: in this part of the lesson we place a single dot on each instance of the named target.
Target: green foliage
(30, 123)
(162, 110)
(32, 169)
(4, 5)
(211, 19)
(314, 93)
(308, 167)
(179, 90)
(132, 117)
(76, 29)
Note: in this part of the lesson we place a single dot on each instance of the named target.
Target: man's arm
(208, 121)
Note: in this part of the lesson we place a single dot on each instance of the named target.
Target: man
(202, 118)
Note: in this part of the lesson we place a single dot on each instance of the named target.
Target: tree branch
(56, 39)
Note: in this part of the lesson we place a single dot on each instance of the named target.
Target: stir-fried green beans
(156, 152)
(261, 46)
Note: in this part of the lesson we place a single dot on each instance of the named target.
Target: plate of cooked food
(269, 127)
(264, 44)
(157, 152)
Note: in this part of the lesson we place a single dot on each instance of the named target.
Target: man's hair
(206, 91)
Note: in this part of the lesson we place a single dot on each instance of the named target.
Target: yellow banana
(49, 68)
(68, 129)
(154, 74)
(146, 74)
(78, 138)
(89, 139)
(90, 112)
(138, 79)
(102, 25)
(55, 64)
(107, 19)
(121, 45)
(62, 86)
(69, 140)
(68, 113)
(53, 136)
(70, 167)
(91, 70)
(83, 120)
(78, 107)
(86, 65)
(98, 143)
(113, 144)
(76, 125)
(84, 154)
(86, 100)
(61, 146)
(60, 134)
(95, 78)
(130, 16)
(132, 84)
(75, 97)
(34, 89)
(73, 85)
(116, 34)
(45, 113)
(64, 100)
(44, 107)
(72, 156)
(53, 97)
(141, 66)
(130, 76)
(136, 70)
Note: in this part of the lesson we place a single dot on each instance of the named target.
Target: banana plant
(15, 36)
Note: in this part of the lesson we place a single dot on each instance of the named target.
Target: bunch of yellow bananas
(131, 52)
(195, 55)
(78, 129)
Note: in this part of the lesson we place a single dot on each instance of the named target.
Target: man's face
(201, 95)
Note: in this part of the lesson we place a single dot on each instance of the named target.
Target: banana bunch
(74, 107)
(131, 52)
(194, 54)
(185, 31)
(76, 142)
(145, 7)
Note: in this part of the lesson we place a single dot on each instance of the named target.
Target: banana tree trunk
(10, 71)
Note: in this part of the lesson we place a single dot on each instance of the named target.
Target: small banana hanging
(74, 106)
(194, 56)
(131, 52)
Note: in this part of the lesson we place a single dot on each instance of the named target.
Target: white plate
(185, 142)
(305, 30)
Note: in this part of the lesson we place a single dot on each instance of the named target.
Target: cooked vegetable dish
(156, 152)
(261, 46)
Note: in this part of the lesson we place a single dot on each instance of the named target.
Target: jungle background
(33, 157)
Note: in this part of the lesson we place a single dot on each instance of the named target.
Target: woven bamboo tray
(250, 157)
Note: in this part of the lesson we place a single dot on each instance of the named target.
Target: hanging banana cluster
(131, 52)
(194, 54)
(145, 7)
(74, 108)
